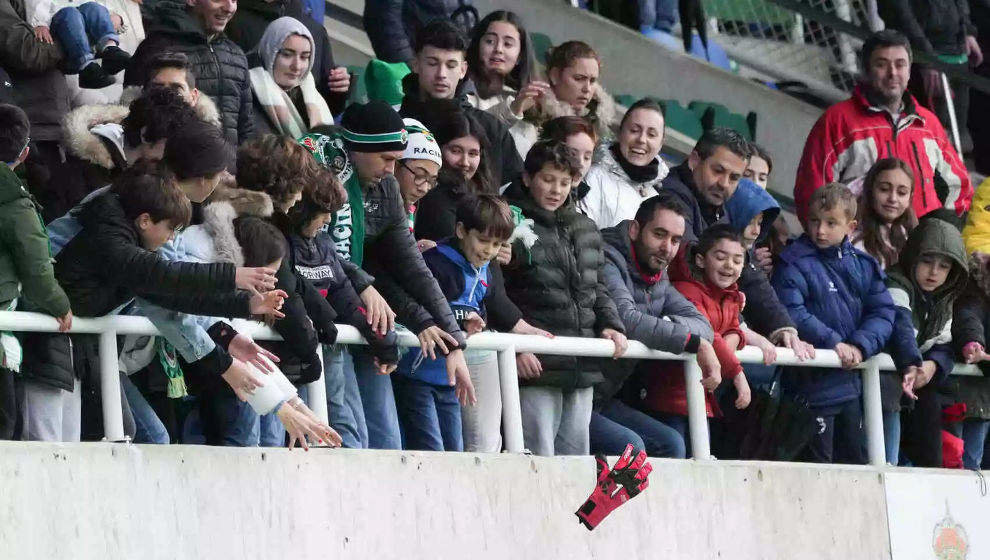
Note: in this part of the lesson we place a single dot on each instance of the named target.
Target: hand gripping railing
(506, 345)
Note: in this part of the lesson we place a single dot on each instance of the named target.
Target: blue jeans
(148, 427)
(892, 436)
(657, 14)
(76, 28)
(973, 432)
(271, 433)
(618, 424)
(229, 422)
(378, 401)
(429, 415)
(343, 398)
(680, 425)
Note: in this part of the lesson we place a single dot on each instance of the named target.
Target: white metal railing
(506, 345)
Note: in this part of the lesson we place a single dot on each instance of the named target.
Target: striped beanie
(373, 127)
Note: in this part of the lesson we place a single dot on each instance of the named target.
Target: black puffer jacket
(764, 312)
(558, 285)
(401, 275)
(220, 66)
(505, 161)
(933, 26)
(251, 20)
(104, 266)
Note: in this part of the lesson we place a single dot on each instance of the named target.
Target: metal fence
(506, 345)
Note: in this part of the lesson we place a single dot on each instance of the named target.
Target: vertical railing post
(113, 415)
(696, 411)
(873, 414)
(511, 410)
(316, 392)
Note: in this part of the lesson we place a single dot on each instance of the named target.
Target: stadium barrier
(506, 345)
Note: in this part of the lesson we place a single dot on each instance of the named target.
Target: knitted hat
(373, 127)
(422, 144)
(383, 81)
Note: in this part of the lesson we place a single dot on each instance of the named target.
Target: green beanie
(383, 81)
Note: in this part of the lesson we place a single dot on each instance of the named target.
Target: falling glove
(615, 487)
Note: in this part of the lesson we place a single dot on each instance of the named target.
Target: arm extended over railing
(506, 345)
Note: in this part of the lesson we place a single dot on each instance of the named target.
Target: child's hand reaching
(268, 303)
(849, 355)
(619, 339)
(711, 369)
(802, 350)
(742, 388)
(473, 323)
(764, 260)
(255, 279)
(907, 383)
(43, 34)
(974, 352)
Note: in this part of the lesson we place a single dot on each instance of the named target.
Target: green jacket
(25, 257)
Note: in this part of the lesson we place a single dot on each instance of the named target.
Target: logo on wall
(949, 540)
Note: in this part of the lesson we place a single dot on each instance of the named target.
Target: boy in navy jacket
(837, 298)
(429, 411)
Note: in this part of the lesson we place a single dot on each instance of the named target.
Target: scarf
(281, 111)
(637, 173)
(650, 279)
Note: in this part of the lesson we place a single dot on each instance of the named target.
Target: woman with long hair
(885, 214)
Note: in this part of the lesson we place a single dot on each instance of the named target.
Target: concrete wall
(118, 501)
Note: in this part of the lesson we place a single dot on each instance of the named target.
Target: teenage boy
(836, 296)
(25, 269)
(438, 70)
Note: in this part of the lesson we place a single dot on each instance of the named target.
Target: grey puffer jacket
(401, 274)
(557, 284)
(220, 66)
(653, 312)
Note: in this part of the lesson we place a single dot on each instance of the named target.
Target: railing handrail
(506, 345)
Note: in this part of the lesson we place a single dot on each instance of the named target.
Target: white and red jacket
(853, 135)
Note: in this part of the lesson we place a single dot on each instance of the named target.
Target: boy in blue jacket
(429, 411)
(837, 298)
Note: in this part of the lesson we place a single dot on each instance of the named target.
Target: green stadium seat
(715, 114)
(541, 44)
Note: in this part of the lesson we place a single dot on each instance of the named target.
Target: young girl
(502, 67)
(930, 274)
(580, 138)
(573, 74)
(555, 280)
(885, 214)
(717, 263)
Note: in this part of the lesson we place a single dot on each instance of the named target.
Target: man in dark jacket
(376, 235)
(220, 66)
(439, 66)
(392, 24)
(249, 24)
(636, 256)
(703, 184)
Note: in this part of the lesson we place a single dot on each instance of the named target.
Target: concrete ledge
(124, 501)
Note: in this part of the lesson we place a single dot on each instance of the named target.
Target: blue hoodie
(748, 201)
(833, 295)
(465, 288)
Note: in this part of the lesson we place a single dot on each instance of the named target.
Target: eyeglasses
(419, 179)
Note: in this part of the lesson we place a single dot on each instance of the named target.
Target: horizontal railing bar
(562, 345)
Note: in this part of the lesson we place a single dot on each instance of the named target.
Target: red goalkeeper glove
(615, 487)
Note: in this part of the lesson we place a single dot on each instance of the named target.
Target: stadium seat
(714, 114)
(680, 119)
(541, 44)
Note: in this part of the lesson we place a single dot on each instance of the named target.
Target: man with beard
(880, 121)
(703, 183)
(637, 253)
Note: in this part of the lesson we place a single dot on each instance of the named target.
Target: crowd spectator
(74, 28)
(885, 215)
(557, 283)
(836, 296)
(25, 261)
(930, 275)
(253, 17)
(418, 170)
(882, 120)
(438, 70)
(969, 327)
(392, 25)
(760, 165)
(502, 67)
(286, 101)
(373, 231)
(637, 253)
(716, 263)
(220, 66)
(575, 90)
(581, 140)
(630, 170)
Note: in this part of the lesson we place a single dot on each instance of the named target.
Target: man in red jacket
(880, 121)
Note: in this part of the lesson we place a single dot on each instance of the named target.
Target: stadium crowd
(474, 191)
